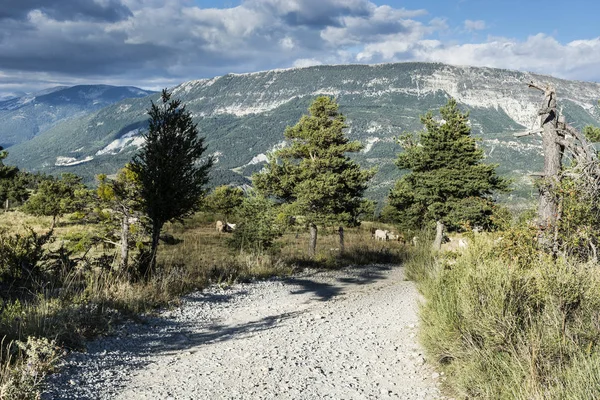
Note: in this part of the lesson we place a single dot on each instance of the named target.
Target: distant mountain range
(243, 118)
(24, 117)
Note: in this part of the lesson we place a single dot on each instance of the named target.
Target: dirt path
(342, 334)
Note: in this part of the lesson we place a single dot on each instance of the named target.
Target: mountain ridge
(243, 117)
(22, 118)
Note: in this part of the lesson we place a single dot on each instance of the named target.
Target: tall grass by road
(504, 321)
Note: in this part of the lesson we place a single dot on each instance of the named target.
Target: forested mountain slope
(22, 118)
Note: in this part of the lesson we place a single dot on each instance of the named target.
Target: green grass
(501, 327)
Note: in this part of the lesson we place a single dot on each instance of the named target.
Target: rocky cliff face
(244, 116)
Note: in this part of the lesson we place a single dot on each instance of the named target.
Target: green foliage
(169, 167)
(447, 179)
(314, 175)
(12, 183)
(56, 197)
(21, 255)
(592, 133)
(257, 226)
(224, 200)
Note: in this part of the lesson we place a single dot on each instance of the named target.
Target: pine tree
(224, 200)
(169, 166)
(447, 181)
(314, 176)
(10, 187)
(56, 197)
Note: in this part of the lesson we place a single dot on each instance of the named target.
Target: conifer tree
(12, 185)
(224, 200)
(169, 167)
(314, 176)
(56, 197)
(447, 182)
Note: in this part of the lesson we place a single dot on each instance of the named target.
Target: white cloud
(478, 25)
(306, 62)
(158, 43)
(539, 53)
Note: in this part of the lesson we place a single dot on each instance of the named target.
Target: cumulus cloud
(471, 26)
(154, 43)
(539, 53)
(65, 10)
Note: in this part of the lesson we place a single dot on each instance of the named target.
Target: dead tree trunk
(553, 148)
(342, 245)
(553, 154)
(439, 235)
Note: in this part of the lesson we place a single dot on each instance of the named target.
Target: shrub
(257, 228)
(504, 328)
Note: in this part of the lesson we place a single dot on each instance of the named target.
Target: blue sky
(159, 43)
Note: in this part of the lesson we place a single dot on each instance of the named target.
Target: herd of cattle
(378, 234)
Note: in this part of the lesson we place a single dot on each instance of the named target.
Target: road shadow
(326, 291)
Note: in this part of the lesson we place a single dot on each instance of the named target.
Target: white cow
(381, 235)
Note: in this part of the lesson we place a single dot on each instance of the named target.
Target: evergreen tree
(224, 200)
(169, 166)
(447, 181)
(56, 197)
(11, 187)
(314, 176)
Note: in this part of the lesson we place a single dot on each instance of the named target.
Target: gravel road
(348, 334)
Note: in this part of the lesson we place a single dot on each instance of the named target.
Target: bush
(257, 228)
(35, 358)
(505, 325)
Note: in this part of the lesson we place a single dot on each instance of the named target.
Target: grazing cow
(373, 233)
(396, 237)
(220, 226)
(381, 235)
(229, 228)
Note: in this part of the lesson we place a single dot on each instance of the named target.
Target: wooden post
(439, 235)
(341, 233)
(312, 244)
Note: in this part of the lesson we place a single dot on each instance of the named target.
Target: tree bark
(6, 205)
(312, 244)
(124, 262)
(439, 235)
(342, 245)
(553, 153)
